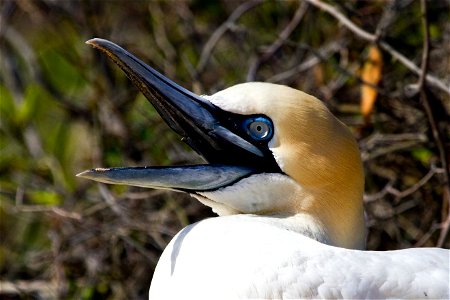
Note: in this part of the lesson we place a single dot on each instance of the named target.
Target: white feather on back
(248, 256)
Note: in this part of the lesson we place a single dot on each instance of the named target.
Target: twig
(318, 56)
(389, 189)
(275, 46)
(48, 209)
(343, 19)
(217, 35)
(389, 15)
(366, 156)
(111, 201)
(379, 139)
(38, 288)
(414, 188)
(432, 80)
(378, 195)
(381, 144)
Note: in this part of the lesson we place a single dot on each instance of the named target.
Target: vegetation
(64, 108)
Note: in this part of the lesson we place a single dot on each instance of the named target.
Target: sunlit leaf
(29, 106)
(423, 155)
(45, 197)
(371, 73)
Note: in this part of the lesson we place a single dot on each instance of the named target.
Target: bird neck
(331, 214)
(337, 215)
(330, 218)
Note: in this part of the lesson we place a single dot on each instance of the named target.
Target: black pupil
(259, 128)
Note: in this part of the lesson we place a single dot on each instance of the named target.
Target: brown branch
(434, 126)
(444, 227)
(426, 236)
(275, 46)
(431, 80)
(320, 55)
(426, 45)
(381, 139)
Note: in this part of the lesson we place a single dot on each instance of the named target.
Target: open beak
(213, 133)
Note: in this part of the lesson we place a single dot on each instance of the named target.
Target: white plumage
(247, 256)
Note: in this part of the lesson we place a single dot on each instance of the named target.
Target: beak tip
(84, 174)
(91, 42)
(91, 174)
(98, 43)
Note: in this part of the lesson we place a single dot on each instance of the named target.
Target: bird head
(271, 150)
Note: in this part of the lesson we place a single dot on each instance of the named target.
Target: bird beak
(207, 129)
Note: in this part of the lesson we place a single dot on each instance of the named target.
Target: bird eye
(259, 128)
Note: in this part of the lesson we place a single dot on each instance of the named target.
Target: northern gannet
(286, 179)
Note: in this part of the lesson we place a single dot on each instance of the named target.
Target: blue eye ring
(259, 128)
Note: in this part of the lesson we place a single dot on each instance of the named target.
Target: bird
(286, 180)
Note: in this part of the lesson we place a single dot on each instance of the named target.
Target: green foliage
(44, 198)
(423, 155)
(54, 64)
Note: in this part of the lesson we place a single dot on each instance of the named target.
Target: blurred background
(64, 108)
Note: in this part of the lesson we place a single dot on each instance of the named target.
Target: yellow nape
(313, 148)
